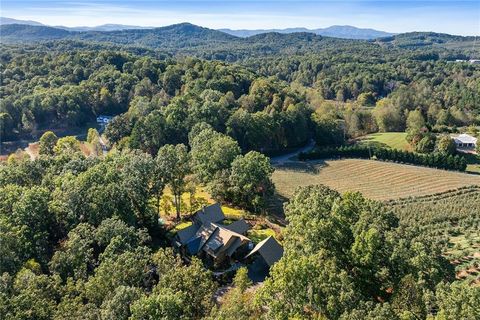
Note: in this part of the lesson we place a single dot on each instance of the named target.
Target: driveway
(279, 160)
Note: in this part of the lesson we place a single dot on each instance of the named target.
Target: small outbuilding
(265, 254)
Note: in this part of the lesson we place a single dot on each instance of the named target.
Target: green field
(394, 140)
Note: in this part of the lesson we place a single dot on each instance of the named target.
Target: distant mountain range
(103, 27)
(189, 39)
(4, 20)
(344, 32)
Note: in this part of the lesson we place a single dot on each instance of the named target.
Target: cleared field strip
(375, 179)
(394, 140)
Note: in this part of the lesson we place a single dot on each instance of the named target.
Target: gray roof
(223, 239)
(186, 234)
(239, 226)
(205, 232)
(211, 213)
(270, 250)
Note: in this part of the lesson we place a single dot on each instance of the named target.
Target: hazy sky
(456, 17)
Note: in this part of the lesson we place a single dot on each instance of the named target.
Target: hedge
(433, 160)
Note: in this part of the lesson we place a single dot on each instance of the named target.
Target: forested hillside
(80, 240)
(70, 83)
(167, 96)
(186, 38)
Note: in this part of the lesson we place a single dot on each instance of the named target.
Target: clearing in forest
(393, 140)
(376, 180)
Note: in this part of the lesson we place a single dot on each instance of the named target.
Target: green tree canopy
(47, 143)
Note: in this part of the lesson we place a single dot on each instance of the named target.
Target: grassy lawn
(183, 225)
(394, 140)
(259, 235)
(377, 180)
(33, 149)
(201, 196)
(180, 226)
(473, 168)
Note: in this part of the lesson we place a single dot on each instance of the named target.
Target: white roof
(465, 138)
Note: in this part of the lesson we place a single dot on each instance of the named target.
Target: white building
(465, 141)
(103, 120)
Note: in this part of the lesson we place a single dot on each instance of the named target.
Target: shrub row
(433, 160)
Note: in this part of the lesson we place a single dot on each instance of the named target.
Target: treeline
(433, 160)
(384, 85)
(63, 188)
(69, 83)
(80, 240)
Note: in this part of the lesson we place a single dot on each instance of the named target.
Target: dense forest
(81, 236)
(368, 87)
(80, 241)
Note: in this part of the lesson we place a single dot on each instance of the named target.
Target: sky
(454, 17)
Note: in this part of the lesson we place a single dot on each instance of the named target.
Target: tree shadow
(275, 208)
(312, 167)
(368, 141)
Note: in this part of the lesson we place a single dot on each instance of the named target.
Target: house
(209, 239)
(474, 61)
(265, 254)
(465, 141)
(221, 245)
(104, 120)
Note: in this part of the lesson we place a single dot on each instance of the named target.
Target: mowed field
(394, 140)
(376, 180)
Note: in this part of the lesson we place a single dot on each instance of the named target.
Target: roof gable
(239, 226)
(186, 234)
(222, 239)
(270, 250)
(211, 213)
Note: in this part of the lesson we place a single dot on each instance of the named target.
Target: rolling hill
(344, 32)
(174, 36)
(183, 38)
(413, 40)
(5, 20)
(103, 27)
(20, 33)
(189, 39)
